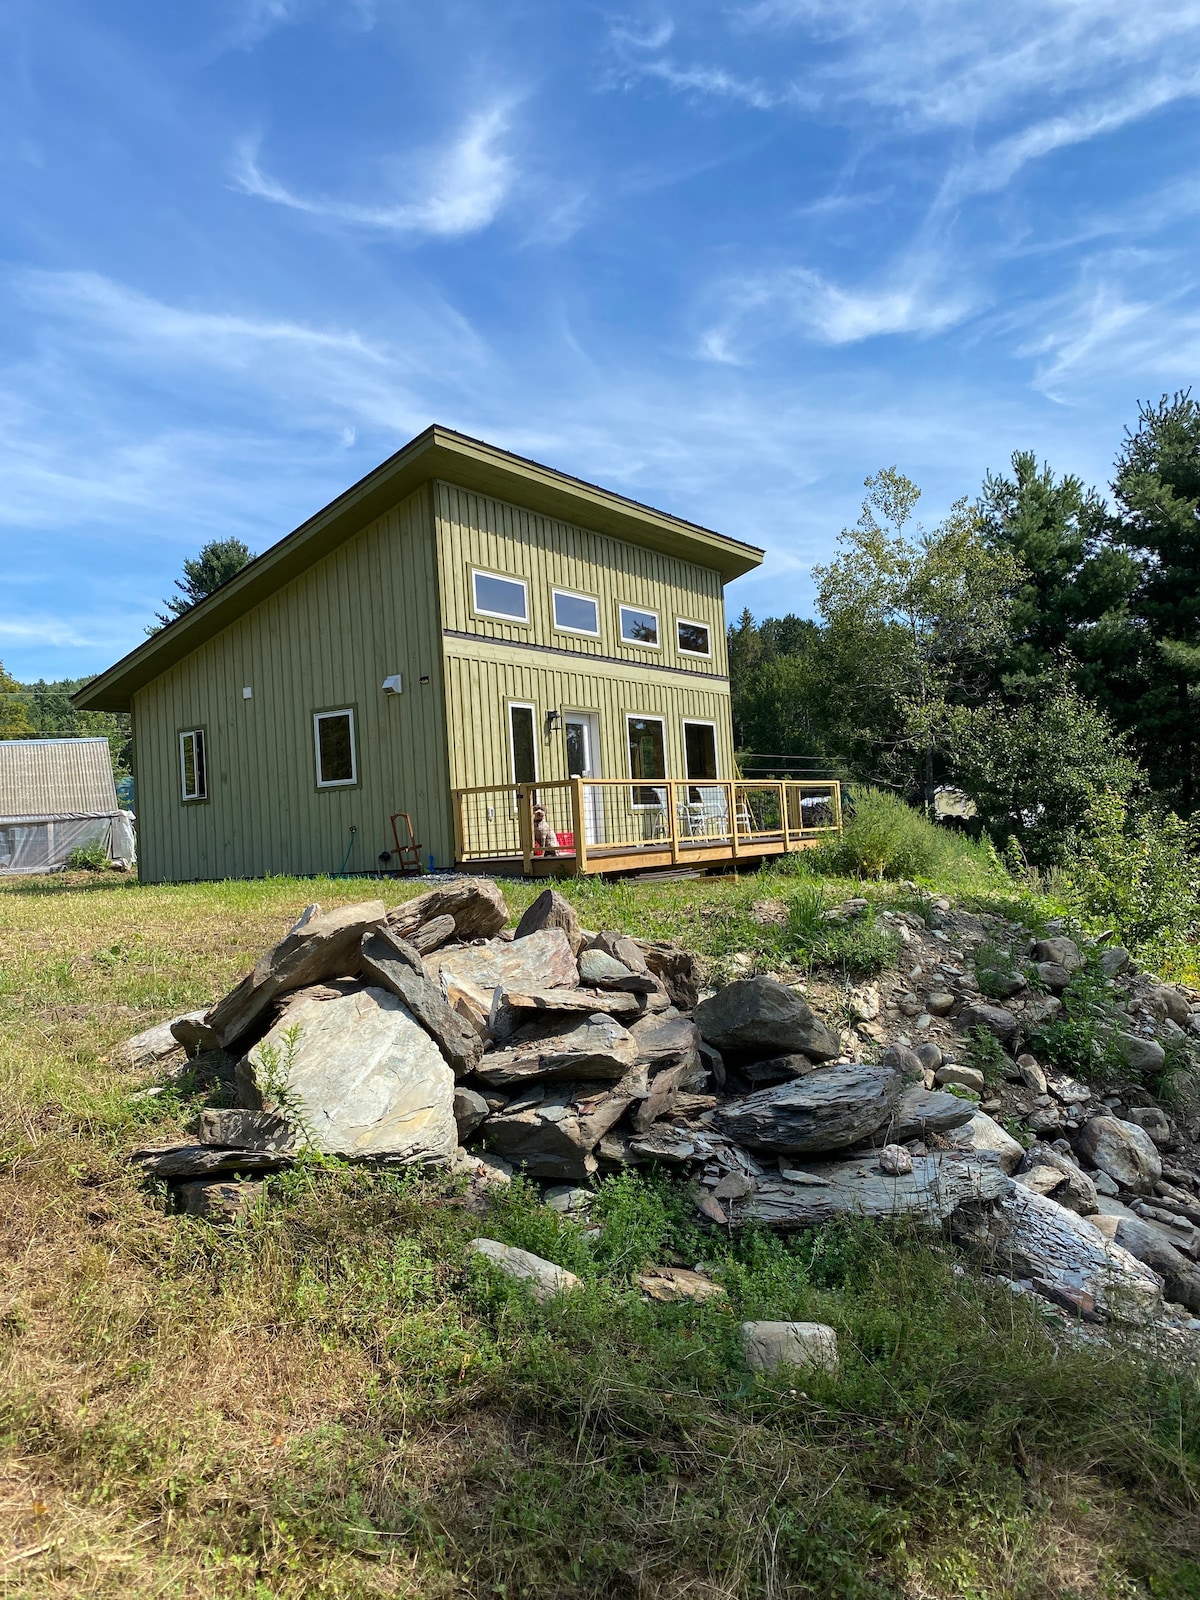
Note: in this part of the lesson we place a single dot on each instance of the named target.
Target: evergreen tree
(218, 561)
(1157, 494)
(1073, 600)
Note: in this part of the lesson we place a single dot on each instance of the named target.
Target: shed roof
(436, 453)
(56, 777)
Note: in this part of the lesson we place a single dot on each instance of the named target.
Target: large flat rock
(474, 905)
(548, 1140)
(828, 1110)
(595, 1047)
(931, 1192)
(1067, 1257)
(921, 1112)
(322, 944)
(542, 960)
(360, 1078)
(392, 963)
(667, 1041)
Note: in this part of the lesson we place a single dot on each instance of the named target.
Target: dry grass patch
(325, 1400)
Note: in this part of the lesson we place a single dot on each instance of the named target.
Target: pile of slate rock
(435, 1035)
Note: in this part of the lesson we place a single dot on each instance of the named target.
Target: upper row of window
(508, 600)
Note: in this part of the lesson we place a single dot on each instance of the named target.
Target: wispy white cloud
(644, 35)
(460, 190)
(1127, 313)
(255, 19)
(1019, 81)
(709, 83)
(958, 63)
(915, 299)
(995, 167)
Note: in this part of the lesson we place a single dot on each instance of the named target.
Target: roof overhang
(436, 453)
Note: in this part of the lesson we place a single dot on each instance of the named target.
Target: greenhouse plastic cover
(43, 844)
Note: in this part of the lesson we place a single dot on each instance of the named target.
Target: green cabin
(529, 668)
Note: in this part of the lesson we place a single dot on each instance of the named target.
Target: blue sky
(725, 257)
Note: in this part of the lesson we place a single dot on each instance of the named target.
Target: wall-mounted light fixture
(393, 684)
(553, 721)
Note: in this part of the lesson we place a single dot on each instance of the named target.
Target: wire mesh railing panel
(551, 821)
(489, 824)
(813, 807)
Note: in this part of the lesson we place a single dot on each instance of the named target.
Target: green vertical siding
(326, 640)
(483, 679)
(476, 531)
(490, 662)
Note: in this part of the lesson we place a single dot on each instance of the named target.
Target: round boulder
(1123, 1150)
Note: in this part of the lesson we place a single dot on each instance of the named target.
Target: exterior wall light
(553, 721)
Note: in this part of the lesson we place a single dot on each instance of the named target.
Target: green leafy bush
(885, 838)
(90, 857)
(1082, 1041)
(1139, 875)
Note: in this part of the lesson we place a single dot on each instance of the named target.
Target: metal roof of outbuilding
(56, 777)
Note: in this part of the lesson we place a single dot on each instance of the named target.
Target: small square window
(639, 627)
(694, 638)
(576, 613)
(337, 763)
(496, 596)
(193, 765)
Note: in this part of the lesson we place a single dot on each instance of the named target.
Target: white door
(582, 733)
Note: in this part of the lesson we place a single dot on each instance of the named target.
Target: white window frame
(521, 705)
(693, 622)
(574, 594)
(648, 783)
(647, 611)
(322, 716)
(501, 577)
(202, 791)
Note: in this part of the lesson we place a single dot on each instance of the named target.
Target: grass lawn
(326, 1401)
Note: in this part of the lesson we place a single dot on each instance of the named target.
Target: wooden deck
(613, 825)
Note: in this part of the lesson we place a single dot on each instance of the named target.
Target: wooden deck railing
(593, 821)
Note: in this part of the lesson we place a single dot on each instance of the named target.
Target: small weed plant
(1139, 874)
(273, 1068)
(995, 969)
(986, 1054)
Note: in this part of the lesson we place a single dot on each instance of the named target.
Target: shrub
(885, 838)
(1139, 875)
(1082, 1041)
(89, 857)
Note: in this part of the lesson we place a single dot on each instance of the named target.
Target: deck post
(673, 819)
(578, 826)
(783, 817)
(460, 828)
(837, 806)
(733, 819)
(525, 827)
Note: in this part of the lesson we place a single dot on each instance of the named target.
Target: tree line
(1040, 648)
